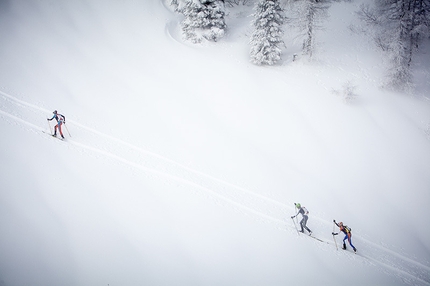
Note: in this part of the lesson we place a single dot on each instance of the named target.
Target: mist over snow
(182, 162)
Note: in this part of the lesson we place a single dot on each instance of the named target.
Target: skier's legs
(348, 237)
(303, 223)
(59, 128)
(350, 243)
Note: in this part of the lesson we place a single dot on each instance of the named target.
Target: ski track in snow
(262, 209)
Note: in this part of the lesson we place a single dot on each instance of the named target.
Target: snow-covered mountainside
(182, 162)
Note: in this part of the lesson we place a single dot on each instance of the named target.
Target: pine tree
(216, 26)
(236, 2)
(401, 26)
(203, 19)
(309, 15)
(174, 4)
(266, 40)
(178, 5)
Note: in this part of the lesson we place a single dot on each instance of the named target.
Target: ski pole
(295, 226)
(67, 129)
(295, 207)
(335, 243)
(50, 129)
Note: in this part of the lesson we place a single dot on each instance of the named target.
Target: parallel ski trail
(217, 188)
(140, 150)
(260, 207)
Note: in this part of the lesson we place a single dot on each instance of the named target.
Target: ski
(347, 250)
(314, 237)
(317, 238)
(52, 135)
(323, 241)
(59, 138)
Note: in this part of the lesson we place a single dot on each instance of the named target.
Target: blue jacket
(59, 117)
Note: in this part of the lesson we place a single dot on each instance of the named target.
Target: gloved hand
(293, 216)
(334, 221)
(334, 233)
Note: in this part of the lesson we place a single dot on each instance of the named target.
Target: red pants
(59, 128)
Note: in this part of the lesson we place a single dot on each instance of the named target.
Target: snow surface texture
(185, 161)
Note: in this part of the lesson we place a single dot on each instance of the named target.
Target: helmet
(55, 112)
(298, 205)
(340, 223)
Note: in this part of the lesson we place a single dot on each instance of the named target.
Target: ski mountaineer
(347, 231)
(304, 212)
(60, 120)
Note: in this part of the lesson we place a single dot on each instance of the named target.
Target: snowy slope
(184, 161)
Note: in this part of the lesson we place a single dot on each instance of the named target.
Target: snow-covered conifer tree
(266, 40)
(174, 4)
(309, 14)
(236, 2)
(203, 19)
(401, 26)
(216, 26)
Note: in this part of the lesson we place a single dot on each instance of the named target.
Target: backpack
(61, 118)
(347, 228)
(305, 210)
